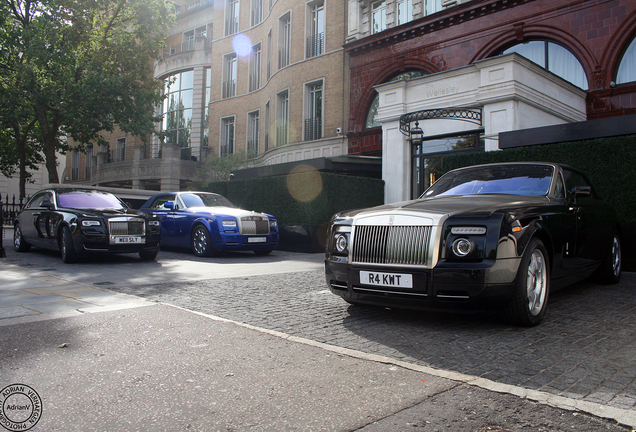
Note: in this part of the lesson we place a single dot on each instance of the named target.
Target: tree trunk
(49, 132)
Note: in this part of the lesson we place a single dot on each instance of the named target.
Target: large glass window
(433, 6)
(231, 17)
(427, 157)
(404, 11)
(257, 12)
(255, 68)
(253, 125)
(282, 118)
(227, 136)
(316, 38)
(75, 165)
(177, 108)
(378, 17)
(554, 58)
(284, 41)
(229, 75)
(373, 109)
(627, 67)
(206, 108)
(313, 118)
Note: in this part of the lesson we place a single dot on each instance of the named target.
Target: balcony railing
(316, 45)
(229, 88)
(313, 128)
(283, 58)
(252, 145)
(254, 81)
(282, 137)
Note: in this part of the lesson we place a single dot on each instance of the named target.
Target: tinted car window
(205, 200)
(79, 200)
(574, 179)
(37, 199)
(159, 202)
(530, 180)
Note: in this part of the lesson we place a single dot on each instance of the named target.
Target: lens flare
(242, 45)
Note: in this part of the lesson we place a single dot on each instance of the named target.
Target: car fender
(535, 228)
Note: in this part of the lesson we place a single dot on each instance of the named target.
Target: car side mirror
(581, 191)
(169, 205)
(47, 204)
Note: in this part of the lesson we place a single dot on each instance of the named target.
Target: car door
(592, 228)
(181, 223)
(163, 210)
(40, 227)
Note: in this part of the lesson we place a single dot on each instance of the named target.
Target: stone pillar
(170, 167)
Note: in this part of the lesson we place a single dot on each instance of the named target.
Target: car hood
(226, 211)
(458, 204)
(109, 212)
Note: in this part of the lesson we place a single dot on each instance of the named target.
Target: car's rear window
(528, 180)
(87, 200)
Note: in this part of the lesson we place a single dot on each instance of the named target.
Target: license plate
(256, 240)
(127, 239)
(396, 280)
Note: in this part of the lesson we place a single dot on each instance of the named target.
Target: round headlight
(341, 243)
(462, 247)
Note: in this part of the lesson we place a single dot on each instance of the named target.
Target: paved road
(584, 351)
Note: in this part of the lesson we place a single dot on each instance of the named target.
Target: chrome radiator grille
(403, 245)
(254, 225)
(131, 227)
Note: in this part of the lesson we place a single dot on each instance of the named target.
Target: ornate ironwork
(469, 114)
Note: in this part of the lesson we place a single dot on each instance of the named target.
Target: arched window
(627, 67)
(373, 109)
(553, 57)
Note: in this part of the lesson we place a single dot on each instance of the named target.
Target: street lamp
(416, 134)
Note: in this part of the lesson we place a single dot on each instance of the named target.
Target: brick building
(265, 78)
(462, 54)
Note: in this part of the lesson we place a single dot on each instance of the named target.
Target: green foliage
(304, 198)
(608, 162)
(219, 168)
(82, 66)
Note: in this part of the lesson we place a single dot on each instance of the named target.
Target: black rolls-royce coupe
(85, 221)
(488, 236)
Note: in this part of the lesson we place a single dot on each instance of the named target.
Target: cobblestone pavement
(585, 348)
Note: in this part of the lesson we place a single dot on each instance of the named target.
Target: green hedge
(305, 199)
(610, 163)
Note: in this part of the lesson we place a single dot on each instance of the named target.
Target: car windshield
(89, 200)
(205, 200)
(528, 180)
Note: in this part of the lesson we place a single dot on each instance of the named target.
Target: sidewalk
(113, 362)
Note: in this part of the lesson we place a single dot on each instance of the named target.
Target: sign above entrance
(469, 114)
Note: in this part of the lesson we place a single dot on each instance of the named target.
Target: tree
(219, 168)
(82, 66)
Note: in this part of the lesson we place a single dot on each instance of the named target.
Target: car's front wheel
(67, 247)
(532, 287)
(201, 242)
(19, 244)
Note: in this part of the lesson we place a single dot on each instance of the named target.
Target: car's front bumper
(239, 242)
(475, 286)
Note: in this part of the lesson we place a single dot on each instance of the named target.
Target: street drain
(103, 283)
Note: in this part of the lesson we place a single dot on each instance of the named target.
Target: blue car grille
(402, 245)
(254, 225)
